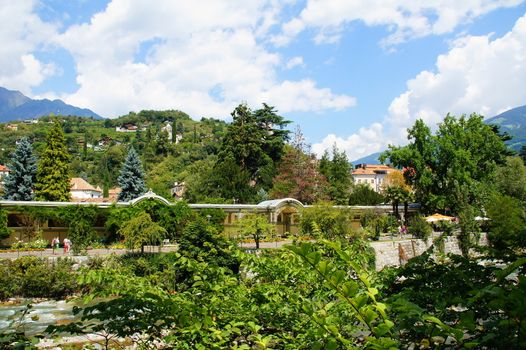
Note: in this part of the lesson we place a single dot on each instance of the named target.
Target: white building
(81, 189)
(372, 175)
(4, 171)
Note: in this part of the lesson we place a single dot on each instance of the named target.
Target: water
(37, 318)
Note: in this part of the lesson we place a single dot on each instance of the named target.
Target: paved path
(92, 252)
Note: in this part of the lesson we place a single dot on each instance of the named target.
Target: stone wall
(396, 252)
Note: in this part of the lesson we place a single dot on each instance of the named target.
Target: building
(283, 213)
(127, 128)
(81, 189)
(4, 171)
(11, 127)
(372, 175)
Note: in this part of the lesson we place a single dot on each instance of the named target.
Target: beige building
(372, 175)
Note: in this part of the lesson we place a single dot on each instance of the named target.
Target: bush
(330, 222)
(419, 228)
(30, 277)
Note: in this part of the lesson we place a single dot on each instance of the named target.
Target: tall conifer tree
(53, 182)
(131, 179)
(20, 181)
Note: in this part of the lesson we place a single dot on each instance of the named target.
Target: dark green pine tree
(21, 179)
(131, 179)
(53, 182)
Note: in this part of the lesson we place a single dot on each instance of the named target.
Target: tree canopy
(19, 183)
(460, 157)
(131, 179)
(53, 181)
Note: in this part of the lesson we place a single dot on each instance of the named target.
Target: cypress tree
(53, 183)
(131, 179)
(20, 181)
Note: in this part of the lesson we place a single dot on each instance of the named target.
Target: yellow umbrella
(439, 217)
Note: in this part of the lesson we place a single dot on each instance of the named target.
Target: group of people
(55, 243)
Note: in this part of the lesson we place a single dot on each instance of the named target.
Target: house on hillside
(4, 171)
(372, 175)
(81, 189)
(127, 128)
(178, 190)
(11, 127)
(168, 128)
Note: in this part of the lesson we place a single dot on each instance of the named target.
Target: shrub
(419, 228)
(30, 276)
(331, 222)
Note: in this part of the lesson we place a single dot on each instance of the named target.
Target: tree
(510, 179)
(338, 173)
(463, 153)
(53, 183)
(80, 221)
(131, 179)
(256, 226)
(254, 141)
(363, 194)
(507, 224)
(297, 175)
(141, 230)
(20, 181)
(397, 191)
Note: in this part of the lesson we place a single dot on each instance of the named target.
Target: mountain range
(16, 106)
(512, 121)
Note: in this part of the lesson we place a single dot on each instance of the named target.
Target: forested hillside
(97, 150)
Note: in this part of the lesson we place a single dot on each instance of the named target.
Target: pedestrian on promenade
(67, 245)
(54, 244)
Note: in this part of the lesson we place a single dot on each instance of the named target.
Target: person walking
(54, 244)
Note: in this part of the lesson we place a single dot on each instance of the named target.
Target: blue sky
(350, 72)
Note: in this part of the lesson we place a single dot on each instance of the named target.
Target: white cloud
(364, 142)
(294, 62)
(478, 74)
(21, 33)
(209, 57)
(405, 19)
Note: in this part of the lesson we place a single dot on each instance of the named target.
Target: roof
(3, 168)
(79, 184)
(372, 169)
(274, 203)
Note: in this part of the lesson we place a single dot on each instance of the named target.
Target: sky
(351, 73)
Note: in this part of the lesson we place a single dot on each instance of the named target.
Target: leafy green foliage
(252, 144)
(419, 228)
(131, 179)
(459, 159)
(326, 220)
(19, 183)
(4, 231)
(80, 221)
(31, 276)
(200, 241)
(255, 226)
(337, 171)
(53, 183)
(507, 224)
(475, 305)
(141, 230)
(363, 194)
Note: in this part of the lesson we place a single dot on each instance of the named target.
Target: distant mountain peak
(16, 106)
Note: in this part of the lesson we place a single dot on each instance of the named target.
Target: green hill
(512, 122)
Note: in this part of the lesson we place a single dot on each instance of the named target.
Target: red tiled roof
(78, 184)
(371, 169)
(3, 168)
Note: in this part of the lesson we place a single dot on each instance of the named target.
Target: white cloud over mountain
(203, 58)
(478, 74)
(21, 33)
